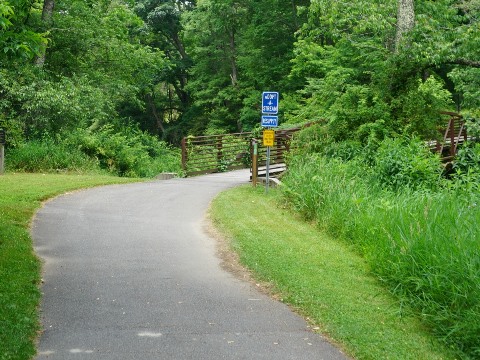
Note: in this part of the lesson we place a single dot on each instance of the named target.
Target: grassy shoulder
(322, 278)
(20, 196)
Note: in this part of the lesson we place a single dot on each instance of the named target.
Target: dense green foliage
(126, 152)
(177, 67)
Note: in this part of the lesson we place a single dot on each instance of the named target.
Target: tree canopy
(178, 67)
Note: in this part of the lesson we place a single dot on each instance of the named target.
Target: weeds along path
(130, 274)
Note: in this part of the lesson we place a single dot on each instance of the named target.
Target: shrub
(127, 152)
(48, 156)
(401, 163)
(468, 158)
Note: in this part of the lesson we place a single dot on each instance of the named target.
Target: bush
(403, 163)
(467, 159)
(128, 152)
(48, 156)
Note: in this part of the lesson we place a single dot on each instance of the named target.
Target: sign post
(2, 151)
(254, 162)
(269, 120)
(268, 141)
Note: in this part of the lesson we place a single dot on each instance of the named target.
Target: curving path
(129, 274)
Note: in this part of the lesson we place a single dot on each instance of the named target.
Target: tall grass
(127, 152)
(423, 244)
(48, 156)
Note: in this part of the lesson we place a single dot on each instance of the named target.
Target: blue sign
(270, 103)
(269, 121)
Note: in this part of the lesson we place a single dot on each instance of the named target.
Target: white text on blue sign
(270, 102)
(269, 121)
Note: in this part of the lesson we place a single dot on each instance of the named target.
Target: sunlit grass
(423, 245)
(321, 277)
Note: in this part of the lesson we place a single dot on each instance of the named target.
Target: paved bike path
(130, 274)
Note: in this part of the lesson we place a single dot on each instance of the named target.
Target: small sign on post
(269, 121)
(268, 137)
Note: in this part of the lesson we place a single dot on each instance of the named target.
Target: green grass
(321, 277)
(422, 244)
(20, 196)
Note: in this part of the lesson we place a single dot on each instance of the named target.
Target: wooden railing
(216, 153)
(454, 134)
(220, 153)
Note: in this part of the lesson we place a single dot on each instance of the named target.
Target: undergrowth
(421, 241)
(126, 152)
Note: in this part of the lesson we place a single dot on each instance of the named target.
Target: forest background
(71, 70)
(115, 85)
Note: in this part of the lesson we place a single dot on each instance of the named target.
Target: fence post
(451, 124)
(254, 162)
(220, 154)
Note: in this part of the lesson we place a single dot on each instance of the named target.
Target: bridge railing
(220, 153)
(216, 153)
(454, 134)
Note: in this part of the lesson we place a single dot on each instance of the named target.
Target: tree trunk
(405, 20)
(47, 14)
(295, 19)
(155, 114)
(233, 60)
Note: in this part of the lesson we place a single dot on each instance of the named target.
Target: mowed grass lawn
(20, 196)
(322, 278)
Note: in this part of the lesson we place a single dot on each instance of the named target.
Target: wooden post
(452, 136)
(254, 162)
(220, 160)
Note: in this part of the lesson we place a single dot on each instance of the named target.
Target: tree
(212, 33)
(405, 20)
(365, 68)
(96, 71)
(47, 15)
(265, 54)
(18, 41)
(239, 49)
(169, 98)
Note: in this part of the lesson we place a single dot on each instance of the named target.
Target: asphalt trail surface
(129, 273)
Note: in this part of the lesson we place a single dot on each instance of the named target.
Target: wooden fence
(215, 153)
(220, 153)
(454, 134)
